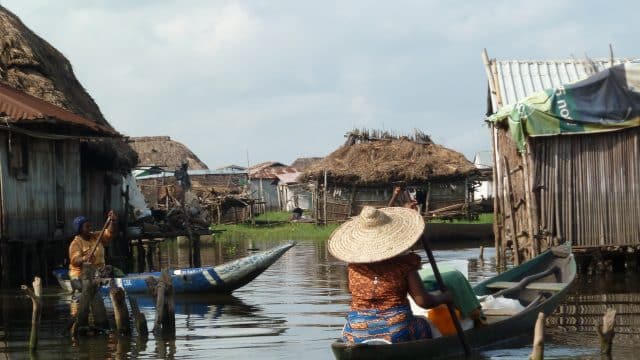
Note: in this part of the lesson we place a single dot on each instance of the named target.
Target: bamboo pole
(538, 339)
(497, 230)
(534, 223)
(36, 311)
(121, 313)
(508, 201)
(528, 202)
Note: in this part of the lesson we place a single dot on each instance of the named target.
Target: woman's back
(381, 285)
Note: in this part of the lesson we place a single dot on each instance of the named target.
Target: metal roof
(514, 80)
(20, 107)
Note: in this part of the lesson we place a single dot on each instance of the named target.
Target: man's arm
(110, 231)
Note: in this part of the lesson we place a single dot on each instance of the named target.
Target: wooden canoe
(503, 329)
(221, 279)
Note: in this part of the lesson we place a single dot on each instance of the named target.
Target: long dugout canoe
(221, 279)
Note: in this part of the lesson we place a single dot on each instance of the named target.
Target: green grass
(484, 218)
(275, 225)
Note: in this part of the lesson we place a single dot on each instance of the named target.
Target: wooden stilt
(138, 318)
(606, 331)
(538, 339)
(123, 325)
(89, 288)
(162, 291)
(36, 311)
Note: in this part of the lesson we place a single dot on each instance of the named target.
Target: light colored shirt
(80, 247)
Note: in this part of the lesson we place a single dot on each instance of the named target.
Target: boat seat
(543, 286)
(501, 312)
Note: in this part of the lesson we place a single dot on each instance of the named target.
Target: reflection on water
(297, 308)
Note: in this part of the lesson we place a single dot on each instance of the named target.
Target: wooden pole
(138, 318)
(498, 213)
(123, 325)
(162, 291)
(36, 311)
(529, 202)
(325, 197)
(89, 287)
(508, 204)
(606, 331)
(538, 339)
(443, 288)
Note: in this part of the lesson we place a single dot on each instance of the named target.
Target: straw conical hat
(376, 234)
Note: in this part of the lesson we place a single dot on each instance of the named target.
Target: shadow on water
(297, 307)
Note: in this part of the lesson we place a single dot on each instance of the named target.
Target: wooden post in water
(538, 339)
(325, 197)
(36, 311)
(123, 325)
(162, 291)
(89, 303)
(138, 318)
(606, 331)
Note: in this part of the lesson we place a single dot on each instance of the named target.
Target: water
(296, 309)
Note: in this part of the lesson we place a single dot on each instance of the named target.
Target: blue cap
(78, 222)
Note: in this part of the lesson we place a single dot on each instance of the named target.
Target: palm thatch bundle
(375, 158)
(164, 152)
(30, 64)
(301, 164)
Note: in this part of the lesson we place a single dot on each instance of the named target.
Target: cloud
(208, 31)
(287, 79)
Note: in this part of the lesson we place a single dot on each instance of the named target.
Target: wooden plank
(544, 286)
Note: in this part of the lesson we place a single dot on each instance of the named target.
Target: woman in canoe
(382, 273)
(80, 249)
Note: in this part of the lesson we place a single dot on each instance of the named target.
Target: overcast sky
(286, 79)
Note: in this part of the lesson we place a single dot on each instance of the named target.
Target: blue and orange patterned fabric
(379, 305)
(394, 325)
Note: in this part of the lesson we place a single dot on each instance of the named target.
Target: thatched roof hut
(163, 152)
(301, 164)
(30, 64)
(380, 158)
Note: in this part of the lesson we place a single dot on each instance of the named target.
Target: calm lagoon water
(296, 308)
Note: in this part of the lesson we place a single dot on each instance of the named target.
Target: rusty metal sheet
(20, 107)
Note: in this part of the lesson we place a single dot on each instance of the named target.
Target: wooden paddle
(443, 288)
(104, 228)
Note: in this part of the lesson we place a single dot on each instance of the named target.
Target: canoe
(221, 279)
(504, 328)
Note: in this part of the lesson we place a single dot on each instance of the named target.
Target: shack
(565, 148)
(59, 157)
(222, 194)
(366, 168)
(266, 185)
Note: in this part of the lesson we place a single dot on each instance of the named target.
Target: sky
(266, 80)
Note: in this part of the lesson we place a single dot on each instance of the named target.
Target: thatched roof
(379, 158)
(30, 64)
(164, 152)
(302, 164)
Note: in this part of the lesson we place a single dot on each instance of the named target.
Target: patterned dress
(379, 305)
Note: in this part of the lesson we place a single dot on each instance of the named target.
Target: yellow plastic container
(439, 316)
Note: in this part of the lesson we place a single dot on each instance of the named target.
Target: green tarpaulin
(606, 101)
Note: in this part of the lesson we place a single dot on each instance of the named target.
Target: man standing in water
(81, 248)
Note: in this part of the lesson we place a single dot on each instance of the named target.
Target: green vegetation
(276, 225)
(484, 218)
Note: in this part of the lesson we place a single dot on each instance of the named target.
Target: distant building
(275, 186)
(483, 161)
(365, 170)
